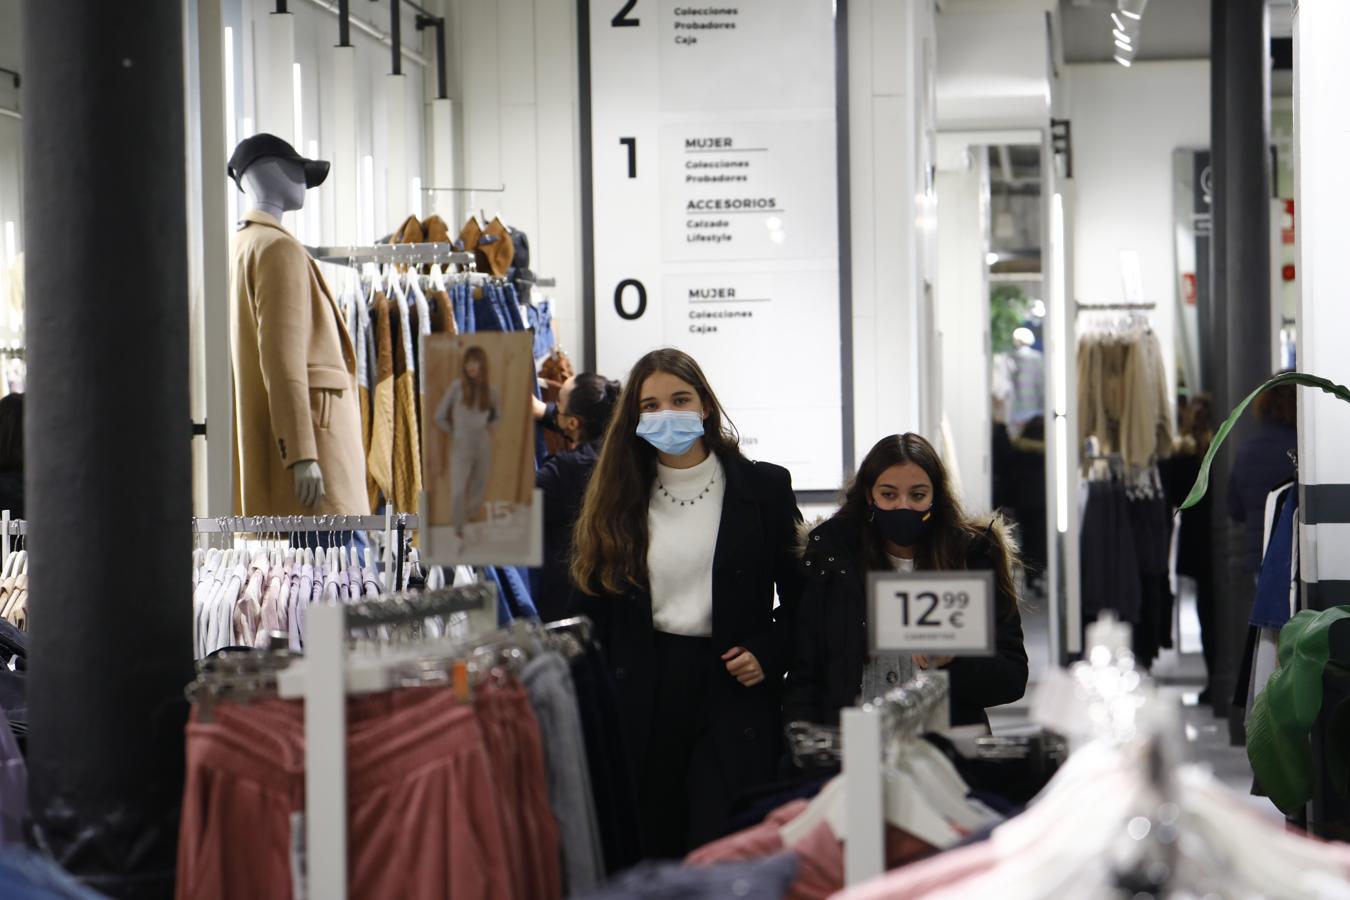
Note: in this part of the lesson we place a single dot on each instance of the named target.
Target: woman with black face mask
(898, 514)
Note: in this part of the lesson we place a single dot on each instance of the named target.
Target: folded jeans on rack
(548, 680)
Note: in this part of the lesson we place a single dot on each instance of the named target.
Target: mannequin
(295, 389)
(277, 186)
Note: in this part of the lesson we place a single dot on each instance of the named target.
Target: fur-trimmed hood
(832, 536)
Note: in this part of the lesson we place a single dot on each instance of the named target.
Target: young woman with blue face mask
(899, 514)
(677, 553)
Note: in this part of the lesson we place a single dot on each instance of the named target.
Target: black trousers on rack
(684, 796)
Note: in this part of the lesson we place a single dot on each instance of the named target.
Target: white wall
(892, 137)
(516, 86)
(1126, 123)
(316, 33)
(963, 323)
(11, 171)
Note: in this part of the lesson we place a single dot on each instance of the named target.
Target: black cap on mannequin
(260, 146)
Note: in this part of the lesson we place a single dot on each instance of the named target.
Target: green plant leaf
(1201, 486)
(1283, 714)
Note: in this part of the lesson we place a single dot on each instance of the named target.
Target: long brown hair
(610, 543)
(477, 391)
(952, 532)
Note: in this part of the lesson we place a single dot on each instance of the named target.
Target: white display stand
(863, 733)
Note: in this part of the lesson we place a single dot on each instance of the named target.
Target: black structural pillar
(1238, 338)
(107, 444)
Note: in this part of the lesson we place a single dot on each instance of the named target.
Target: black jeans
(684, 794)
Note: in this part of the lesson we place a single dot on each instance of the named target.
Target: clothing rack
(918, 705)
(297, 524)
(324, 679)
(393, 254)
(465, 190)
(394, 525)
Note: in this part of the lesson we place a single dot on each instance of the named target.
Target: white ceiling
(1170, 29)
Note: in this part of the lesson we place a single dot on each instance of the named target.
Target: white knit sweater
(682, 521)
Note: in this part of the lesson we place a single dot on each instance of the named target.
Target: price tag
(936, 613)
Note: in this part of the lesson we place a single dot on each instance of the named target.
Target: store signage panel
(931, 613)
(715, 210)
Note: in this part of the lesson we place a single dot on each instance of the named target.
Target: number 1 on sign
(631, 144)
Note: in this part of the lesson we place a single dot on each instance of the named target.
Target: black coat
(1262, 464)
(756, 551)
(563, 478)
(831, 646)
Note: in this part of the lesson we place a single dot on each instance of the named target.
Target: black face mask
(903, 527)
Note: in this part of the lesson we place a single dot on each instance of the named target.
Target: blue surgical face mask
(671, 431)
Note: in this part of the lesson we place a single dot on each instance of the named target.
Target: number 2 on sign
(621, 20)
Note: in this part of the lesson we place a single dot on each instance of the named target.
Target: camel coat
(295, 394)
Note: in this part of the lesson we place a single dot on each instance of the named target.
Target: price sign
(934, 613)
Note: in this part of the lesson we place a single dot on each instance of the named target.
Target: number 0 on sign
(935, 613)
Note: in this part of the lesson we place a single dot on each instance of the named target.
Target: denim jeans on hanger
(512, 301)
(541, 320)
(463, 302)
(487, 312)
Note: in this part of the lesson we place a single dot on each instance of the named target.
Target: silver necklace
(701, 494)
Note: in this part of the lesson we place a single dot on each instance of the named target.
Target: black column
(1239, 339)
(108, 431)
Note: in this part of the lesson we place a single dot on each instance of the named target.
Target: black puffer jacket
(831, 635)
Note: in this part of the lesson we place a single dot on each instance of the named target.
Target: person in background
(581, 415)
(11, 455)
(678, 551)
(1195, 538)
(899, 514)
(1264, 461)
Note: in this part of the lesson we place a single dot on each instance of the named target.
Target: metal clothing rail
(465, 190)
(1115, 307)
(411, 607)
(295, 524)
(395, 254)
(394, 525)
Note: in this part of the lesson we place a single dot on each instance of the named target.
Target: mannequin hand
(540, 408)
(742, 664)
(932, 662)
(308, 482)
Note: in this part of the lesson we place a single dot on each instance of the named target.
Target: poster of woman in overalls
(479, 442)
